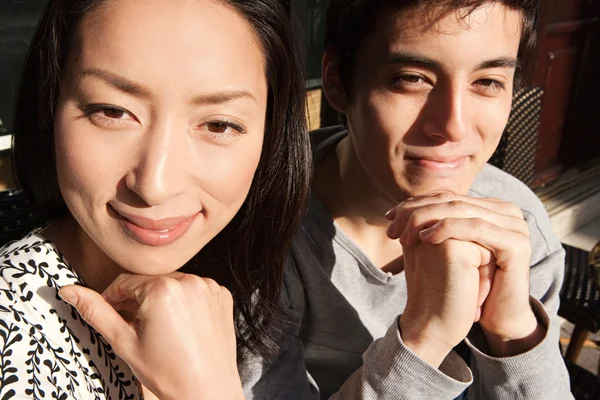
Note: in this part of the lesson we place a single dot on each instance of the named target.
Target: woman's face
(159, 127)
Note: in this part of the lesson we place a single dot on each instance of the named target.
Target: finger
(406, 208)
(140, 288)
(98, 313)
(486, 277)
(391, 214)
(446, 196)
(508, 247)
(428, 215)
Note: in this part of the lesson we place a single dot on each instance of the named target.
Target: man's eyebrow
(117, 81)
(412, 59)
(503, 62)
(431, 64)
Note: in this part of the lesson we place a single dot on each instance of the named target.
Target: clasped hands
(466, 260)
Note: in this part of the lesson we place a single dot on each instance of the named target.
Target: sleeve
(389, 371)
(26, 371)
(527, 375)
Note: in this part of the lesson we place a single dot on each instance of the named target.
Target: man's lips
(438, 163)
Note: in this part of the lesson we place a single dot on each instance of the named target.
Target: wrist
(520, 338)
(428, 347)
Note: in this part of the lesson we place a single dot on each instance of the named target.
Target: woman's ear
(332, 82)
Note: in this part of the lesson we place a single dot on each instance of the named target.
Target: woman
(157, 136)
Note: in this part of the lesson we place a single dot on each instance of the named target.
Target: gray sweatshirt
(340, 337)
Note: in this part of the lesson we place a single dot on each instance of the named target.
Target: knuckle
(524, 227)
(513, 209)
(166, 289)
(191, 280)
(446, 223)
(226, 296)
(457, 205)
(89, 312)
(445, 197)
(414, 218)
(481, 225)
(210, 286)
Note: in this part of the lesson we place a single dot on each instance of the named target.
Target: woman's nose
(159, 172)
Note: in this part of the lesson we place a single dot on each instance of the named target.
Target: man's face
(431, 97)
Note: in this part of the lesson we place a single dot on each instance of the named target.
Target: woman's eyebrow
(223, 96)
(121, 83)
(125, 85)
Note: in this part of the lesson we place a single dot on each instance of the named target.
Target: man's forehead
(419, 21)
(486, 34)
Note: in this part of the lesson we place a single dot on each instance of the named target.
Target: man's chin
(432, 188)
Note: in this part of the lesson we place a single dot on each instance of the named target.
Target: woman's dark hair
(248, 255)
(350, 21)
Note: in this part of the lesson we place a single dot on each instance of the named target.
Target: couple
(167, 143)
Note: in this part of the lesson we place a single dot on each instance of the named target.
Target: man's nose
(448, 118)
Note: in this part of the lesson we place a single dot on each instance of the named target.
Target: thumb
(94, 309)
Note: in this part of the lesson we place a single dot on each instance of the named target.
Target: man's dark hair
(350, 21)
(248, 255)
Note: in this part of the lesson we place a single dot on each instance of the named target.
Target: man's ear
(332, 82)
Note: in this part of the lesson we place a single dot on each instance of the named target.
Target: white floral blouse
(46, 350)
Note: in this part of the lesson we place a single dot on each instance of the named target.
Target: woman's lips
(153, 232)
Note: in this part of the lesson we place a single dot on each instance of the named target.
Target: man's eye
(490, 85)
(410, 82)
(410, 78)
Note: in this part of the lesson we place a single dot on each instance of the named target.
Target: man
(373, 309)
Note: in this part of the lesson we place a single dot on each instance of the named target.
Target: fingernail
(391, 229)
(424, 233)
(403, 238)
(390, 212)
(68, 296)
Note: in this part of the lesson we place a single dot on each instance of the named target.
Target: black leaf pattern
(63, 357)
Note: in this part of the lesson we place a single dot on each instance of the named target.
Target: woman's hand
(175, 332)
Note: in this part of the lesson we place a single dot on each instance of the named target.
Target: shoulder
(495, 183)
(323, 137)
(33, 245)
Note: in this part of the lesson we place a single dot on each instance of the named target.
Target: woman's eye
(222, 128)
(114, 113)
(217, 127)
(107, 115)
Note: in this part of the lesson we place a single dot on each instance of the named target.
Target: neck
(357, 203)
(88, 261)
(347, 191)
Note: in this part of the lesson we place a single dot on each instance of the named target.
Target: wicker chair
(580, 298)
(16, 217)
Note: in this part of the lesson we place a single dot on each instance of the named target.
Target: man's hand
(492, 224)
(446, 285)
(177, 335)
